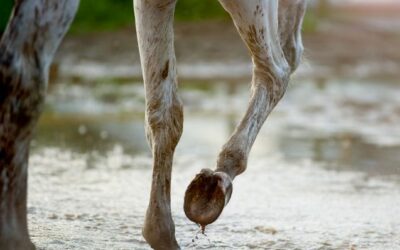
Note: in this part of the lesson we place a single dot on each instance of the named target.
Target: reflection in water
(98, 133)
(319, 177)
(343, 153)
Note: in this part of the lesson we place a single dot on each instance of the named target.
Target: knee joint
(21, 95)
(274, 77)
(165, 123)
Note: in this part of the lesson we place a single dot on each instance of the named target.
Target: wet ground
(324, 172)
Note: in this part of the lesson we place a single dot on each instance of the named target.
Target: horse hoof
(206, 196)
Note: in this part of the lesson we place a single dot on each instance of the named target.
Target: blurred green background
(5, 9)
(95, 15)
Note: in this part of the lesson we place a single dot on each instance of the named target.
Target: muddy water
(324, 172)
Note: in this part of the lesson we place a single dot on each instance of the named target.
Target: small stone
(266, 230)
(53, 217)
(69, 216)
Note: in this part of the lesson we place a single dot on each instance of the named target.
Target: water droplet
(203, 229)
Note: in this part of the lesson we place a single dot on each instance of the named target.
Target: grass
(310, 22)
(99, 15)
(95, 15)
(106, 15)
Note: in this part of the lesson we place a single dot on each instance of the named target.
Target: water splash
(200, 236)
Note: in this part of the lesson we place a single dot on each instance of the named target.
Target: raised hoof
(206, 196)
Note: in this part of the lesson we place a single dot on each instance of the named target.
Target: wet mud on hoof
(206, 197)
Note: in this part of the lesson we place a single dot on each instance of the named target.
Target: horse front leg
(27, 47)
(271, 32)
(164, 114)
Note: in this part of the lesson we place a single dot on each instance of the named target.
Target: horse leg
(271, 31)
(164, 114)
(34, 32)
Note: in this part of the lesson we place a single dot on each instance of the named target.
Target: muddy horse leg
(27, 47)
(271, 30)
(164, 115)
